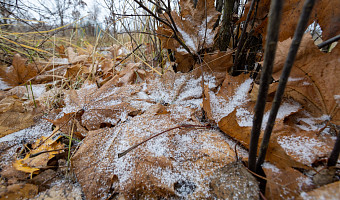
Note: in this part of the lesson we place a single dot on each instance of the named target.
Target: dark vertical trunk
(226, 29)
(195, 3)
(219, 6)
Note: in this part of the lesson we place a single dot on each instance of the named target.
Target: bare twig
(171, 25)
(144, 141)
(333, 158)
(128, 55)
(302, 25)
(271, 44)
(241, 41)
(329, 41)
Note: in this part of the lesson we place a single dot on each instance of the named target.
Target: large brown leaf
(285, 183)
(325, 12)
(18, 73)
(314, 80)
(15, 116)
(173, 165)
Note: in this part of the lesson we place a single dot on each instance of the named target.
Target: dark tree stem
(241, 41)
(270, 50)
(333, 158)
(301, 27)
(329, 41)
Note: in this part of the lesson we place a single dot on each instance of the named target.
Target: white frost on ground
(312, 123)
(270, 166)
(186, 91)
(303, 148)
(3, 85)
(221, 107)
(246, 118)
(43, 128)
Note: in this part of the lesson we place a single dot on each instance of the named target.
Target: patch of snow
(304, 181)
(204, 33)
(221, 107)
(181, 49)
(188, 40)
(59, 61)
(294, 79)
(304, 148)
(337, 98)
(3, 85)
(312, 123)
(38, 90)
(246, 118)
(270, 166)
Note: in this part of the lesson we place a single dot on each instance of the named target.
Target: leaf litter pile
(80, 126)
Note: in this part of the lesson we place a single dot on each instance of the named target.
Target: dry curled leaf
(42, 151)
(74, 58)
(18, 73)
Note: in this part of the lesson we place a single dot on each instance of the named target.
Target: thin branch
(333, 158)
(302, 25)
(172, 26)
(329, 41)
(241, 41)
(128, 55)
(271, 44)
(149, 138)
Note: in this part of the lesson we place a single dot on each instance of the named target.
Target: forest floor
(70, 134)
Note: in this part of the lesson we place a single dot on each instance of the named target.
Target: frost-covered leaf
(314, 78)
(330, 191)
(275, 153)
(285, 183)
(195, 29)
(194, 26)
(173, 165)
